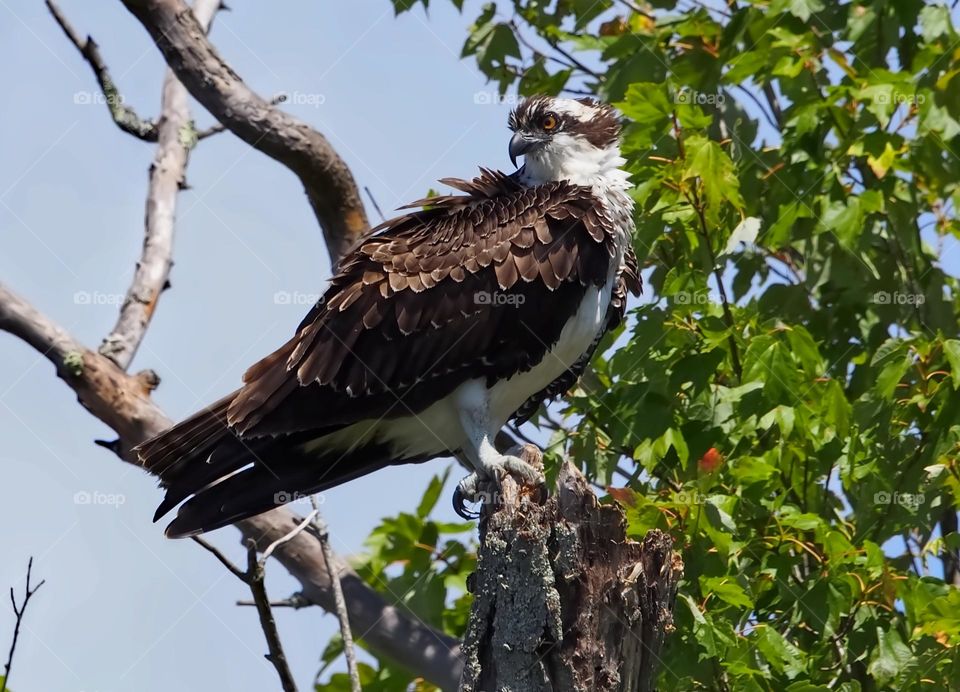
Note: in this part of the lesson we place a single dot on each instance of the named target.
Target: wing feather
(414, 310)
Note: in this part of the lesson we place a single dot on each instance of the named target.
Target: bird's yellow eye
(550, 122)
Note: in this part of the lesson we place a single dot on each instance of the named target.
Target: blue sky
(124, 608)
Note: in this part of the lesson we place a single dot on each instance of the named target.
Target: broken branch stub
(563, 600)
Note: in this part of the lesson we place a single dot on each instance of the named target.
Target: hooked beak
(520, 144)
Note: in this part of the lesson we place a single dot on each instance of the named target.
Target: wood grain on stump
(564, 601)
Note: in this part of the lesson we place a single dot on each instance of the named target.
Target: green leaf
(709, 162)
(951, 349)
(934, 22)
(803, 9)
(726, 590)
(890, 658)
(432, 494)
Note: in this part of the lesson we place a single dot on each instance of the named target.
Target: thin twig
(18, 611)
(341, 605)
(253, 577)
(636, 9)
(774, 103)
(124, 116)
(759, 104)
(373, 201)
(268, 624)
(295, 601)
(290, 536)
(224, 560)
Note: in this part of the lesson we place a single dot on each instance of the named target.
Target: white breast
(437, 428)
(506, 396)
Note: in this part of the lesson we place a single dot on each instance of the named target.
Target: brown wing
(474, 285)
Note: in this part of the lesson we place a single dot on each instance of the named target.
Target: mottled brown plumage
(476, 285)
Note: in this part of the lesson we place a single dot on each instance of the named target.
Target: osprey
(437, 328)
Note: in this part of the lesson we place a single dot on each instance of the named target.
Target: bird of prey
(437, 328)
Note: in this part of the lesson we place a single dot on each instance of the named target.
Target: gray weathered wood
(563, 600)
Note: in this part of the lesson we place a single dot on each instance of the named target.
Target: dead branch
(18, 612)
(121, 401)
(255, 574)
(123, 115)
(320, 526)
(327, 179)
(218, 127)
(563, 600)
(253, 578)
(175, 138)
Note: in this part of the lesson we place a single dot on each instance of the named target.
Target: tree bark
(563, 600)
(327, 180)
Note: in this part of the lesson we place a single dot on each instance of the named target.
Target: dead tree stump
(563, 601)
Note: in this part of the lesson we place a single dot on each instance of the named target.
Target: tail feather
(225, 478)
(284, 473)
(165, 454)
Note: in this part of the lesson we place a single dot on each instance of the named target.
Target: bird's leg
(489, 464)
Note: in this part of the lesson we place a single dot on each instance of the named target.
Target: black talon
(460, 506)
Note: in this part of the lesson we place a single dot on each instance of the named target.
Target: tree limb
(253, 578)
(328, 182)
(175, 138)
(341, 605)
(121, 401)
(255, 575)
(123, 115)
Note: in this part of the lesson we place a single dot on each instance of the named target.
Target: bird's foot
(484, 485)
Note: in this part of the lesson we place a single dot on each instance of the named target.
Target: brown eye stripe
(601, 130)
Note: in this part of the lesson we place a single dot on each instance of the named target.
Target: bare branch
(774, 102)
(18, 612)
(175, 138)
(268, 624)
(296, 601)
(121, 401)
(373, 201)
(289, 536)
(253, 578)
(327, 179)
(124, 116)
(224, 560)
(341, 605)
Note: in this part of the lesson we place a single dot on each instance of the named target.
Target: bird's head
(567, 139)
